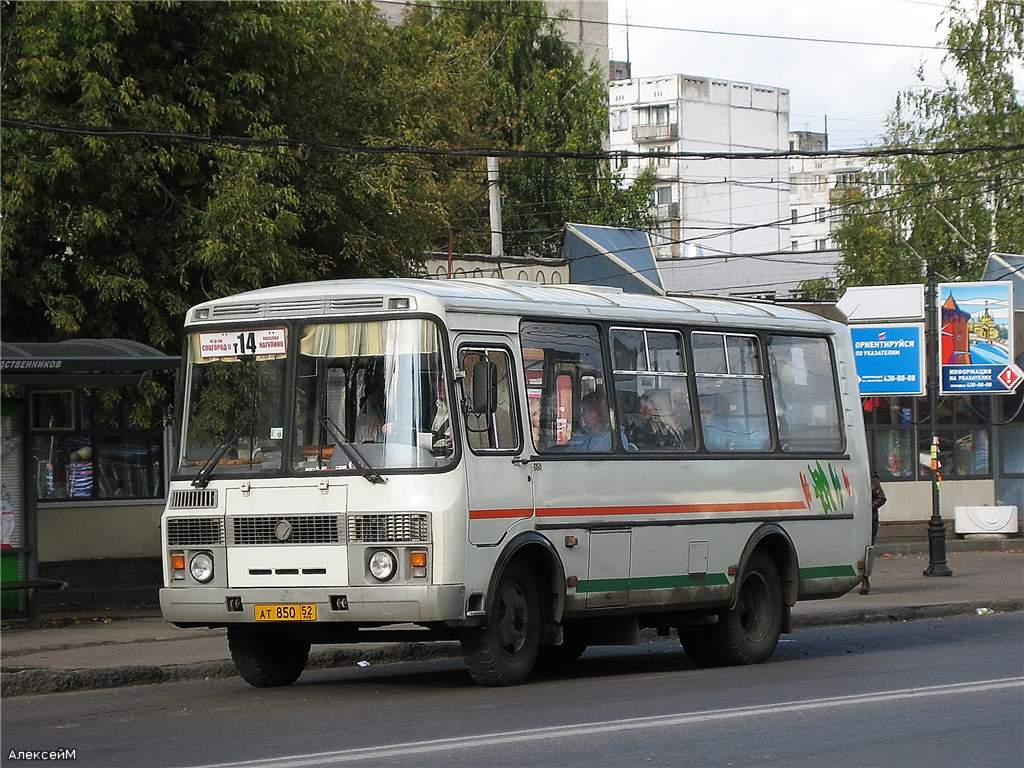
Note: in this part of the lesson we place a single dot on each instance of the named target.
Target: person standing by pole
(877, 502)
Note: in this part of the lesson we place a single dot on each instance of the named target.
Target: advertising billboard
(889, 358)
(976, 339)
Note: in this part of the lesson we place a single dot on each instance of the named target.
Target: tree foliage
(117, 237)
(107, 237)
(952, 210)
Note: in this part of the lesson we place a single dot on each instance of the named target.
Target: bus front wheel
(503, 651)
(749, 632)
(267, 657)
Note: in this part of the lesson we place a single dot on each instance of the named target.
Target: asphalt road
(946, 692)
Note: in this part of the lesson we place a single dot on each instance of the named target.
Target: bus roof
(493, 296)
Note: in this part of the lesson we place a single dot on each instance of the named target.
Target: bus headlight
(201, 567)
(383, 565)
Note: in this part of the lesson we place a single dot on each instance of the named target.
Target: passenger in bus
(656, 429)
(594, 434)
(716, 438)
(370, 424)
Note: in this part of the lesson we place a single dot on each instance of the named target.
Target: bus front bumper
(384, 604)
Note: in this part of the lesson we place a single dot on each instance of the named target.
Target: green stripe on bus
(652, 582)
(827, 572)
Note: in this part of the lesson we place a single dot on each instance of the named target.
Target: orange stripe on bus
(662, 509)
(493, 514)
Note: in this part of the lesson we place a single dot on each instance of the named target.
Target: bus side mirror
(485, 387)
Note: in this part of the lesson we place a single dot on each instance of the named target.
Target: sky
(974, 299)
(855, 85)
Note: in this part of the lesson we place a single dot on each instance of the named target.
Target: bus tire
(267, 657)
(554, 659)
(503, 651)
(749, 632)
(699, 646)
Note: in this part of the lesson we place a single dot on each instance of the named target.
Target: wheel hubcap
(512, 620)
(753, 607)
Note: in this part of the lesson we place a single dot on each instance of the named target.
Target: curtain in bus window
(368, 338)
(805, 394)
(564, 373)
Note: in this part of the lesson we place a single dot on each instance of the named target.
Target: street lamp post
(936, 528)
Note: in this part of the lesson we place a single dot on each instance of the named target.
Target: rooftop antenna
(629, 67)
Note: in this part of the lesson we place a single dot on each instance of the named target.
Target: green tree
(117, 237)
(539, 95)
(952, 210)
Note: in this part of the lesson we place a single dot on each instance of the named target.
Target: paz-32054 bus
(530, 469)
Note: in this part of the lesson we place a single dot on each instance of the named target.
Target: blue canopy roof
(613, 257)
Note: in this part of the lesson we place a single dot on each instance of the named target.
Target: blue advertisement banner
(889, 358)
(976, 340)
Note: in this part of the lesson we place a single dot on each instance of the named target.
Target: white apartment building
(709, 207)
(817, 186)
(818, 189)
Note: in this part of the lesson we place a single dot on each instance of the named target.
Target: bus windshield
(234, 403)
(373, 387)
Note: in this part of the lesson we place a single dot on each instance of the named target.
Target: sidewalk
(108, 653)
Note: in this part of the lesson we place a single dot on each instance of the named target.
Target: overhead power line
(247, 142)
(690, 30)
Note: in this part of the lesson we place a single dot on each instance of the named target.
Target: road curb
(904, 613)
(31, 682)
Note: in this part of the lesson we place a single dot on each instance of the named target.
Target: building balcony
(652, 133)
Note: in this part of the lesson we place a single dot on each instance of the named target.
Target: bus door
(500, 492)
(581, 486)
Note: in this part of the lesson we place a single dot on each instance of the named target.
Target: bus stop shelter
(46, 376)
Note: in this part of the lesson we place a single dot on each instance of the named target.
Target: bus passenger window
(730, 390)
(564, 374)
(651, 390)
(485, 432)
(805, 394)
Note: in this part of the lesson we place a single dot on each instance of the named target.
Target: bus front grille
(388, 528)
(195, 531)
(287, 529)
(198, 498)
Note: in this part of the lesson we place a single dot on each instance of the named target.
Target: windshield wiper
(202, 478)
(353, 453)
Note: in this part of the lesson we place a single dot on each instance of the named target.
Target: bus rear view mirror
(485, 387)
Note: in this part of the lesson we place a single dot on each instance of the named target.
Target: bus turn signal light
(418, 559)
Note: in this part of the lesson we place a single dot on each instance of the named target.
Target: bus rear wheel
(504, 650)
(749, 632)
(267, 657)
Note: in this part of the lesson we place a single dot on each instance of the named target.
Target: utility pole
(494, 196)
(936, 528)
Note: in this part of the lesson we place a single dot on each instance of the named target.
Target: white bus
(530, 469)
